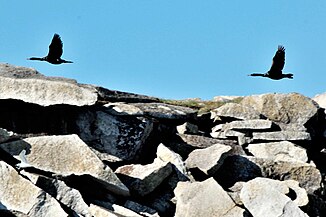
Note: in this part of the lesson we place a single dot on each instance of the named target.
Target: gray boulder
(166, 111)
(281, 136)
(205, 198)
(184, 144)
(167, 155)
(208, 160)
(30, 86)
(279, 151)
(123, 109)
(65, 156)
(236, 111)
(66, 195)
(21, 195)
(143, 179)
(117, 136)
(187, 128)
(254, 124)
(320, 99)
(290, 111)
(306, 174)
(267, 197)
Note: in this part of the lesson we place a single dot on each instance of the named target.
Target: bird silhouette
(275, 71)
(55, 52)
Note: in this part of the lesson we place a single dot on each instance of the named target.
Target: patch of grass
(200, 105)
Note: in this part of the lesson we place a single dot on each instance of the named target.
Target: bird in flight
(55, 52)
(275, 71)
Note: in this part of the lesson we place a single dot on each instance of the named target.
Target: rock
(184, 144)
(187, 128)
(64, 156)
(266, 197)
(227, 134)
(202, 141)
(300, 194)
(234, 192)
(281, 136)
(107, 95)
(123, 109)
(117, 136)
(102, 212)
(112, 210)
(19, 194)
(320, 99)
(236, 111)
(278, 151)
(141, 209)
(166, 111)
(208, 160)
(225, 98)
(5, 135)
(290, 111)
(166, 155)
(306, 174)
(30, 86)
(66, 195)
(143, 179)
(248, 125)
(199, 199)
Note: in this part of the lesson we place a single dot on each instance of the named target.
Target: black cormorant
(275, 71)
(55, 52)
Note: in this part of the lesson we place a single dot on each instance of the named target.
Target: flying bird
(275, 71)
(55, 52)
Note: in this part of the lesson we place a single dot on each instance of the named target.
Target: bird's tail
(67, 61)
(36, 58)
(256, 74)
(289, 75)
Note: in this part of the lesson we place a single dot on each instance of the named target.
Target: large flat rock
(290, 111)
(208, 160)
(19, 194)
(143, 179)
(236, 111)
(205, 198)
(279, 151)
(66, 155)
(28, 85)
(306, 174)
(281, 136)
(267, 197)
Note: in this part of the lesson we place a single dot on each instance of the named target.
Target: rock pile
(68, 149)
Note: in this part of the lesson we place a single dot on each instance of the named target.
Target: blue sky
(172, 49)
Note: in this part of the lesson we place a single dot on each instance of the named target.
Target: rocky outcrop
(70, 149)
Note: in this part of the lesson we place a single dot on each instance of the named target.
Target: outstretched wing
(55, 48)
(278, 61)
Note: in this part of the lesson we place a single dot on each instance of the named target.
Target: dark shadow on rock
(10, 213)
(89, 188)
(27, 118)
(234, 169)
(315, 207)
(198, 174)
(291, 194)
(159, 199)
